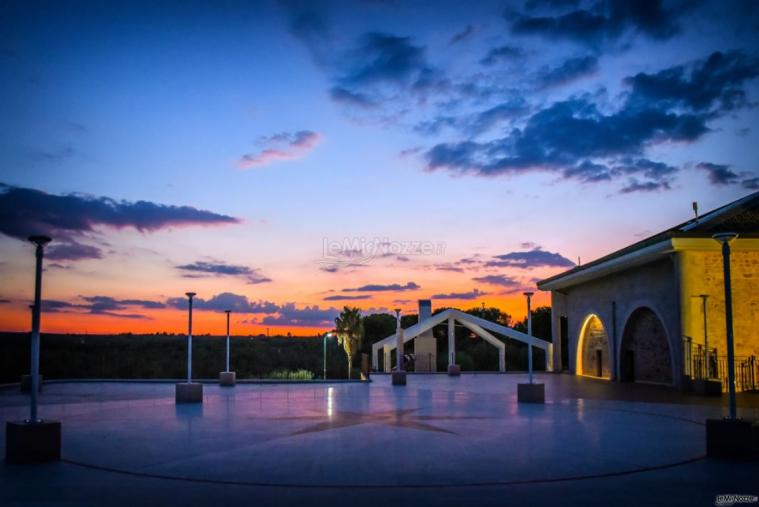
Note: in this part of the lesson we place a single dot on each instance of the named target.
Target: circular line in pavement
(198, 480)
(547, 480)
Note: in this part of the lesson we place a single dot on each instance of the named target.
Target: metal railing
(700, 364)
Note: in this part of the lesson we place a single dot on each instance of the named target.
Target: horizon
(284, 159)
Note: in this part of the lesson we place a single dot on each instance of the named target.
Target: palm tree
(349, 328)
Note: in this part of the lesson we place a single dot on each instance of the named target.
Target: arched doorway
(593, 349)
(644, 352)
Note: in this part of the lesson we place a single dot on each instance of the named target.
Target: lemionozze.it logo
(728, 500)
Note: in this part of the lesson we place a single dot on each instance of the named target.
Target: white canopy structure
(477, 325)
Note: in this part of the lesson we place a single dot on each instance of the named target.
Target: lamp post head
(227, 311)
(528, 294)
(190, 294)
(40, 240)
(397, 312)
(725, 237)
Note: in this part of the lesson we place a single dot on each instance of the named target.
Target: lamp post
(189, 392)
(189, 295)
(528, 295)
(399, 375)
(227, 363)
(34, 440)
(529, 392)
(725, 238)
(40, 242)
(324, 353)
(227, 378)
(398, 341)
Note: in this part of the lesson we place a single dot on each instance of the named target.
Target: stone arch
(645, 353)
(593, 357)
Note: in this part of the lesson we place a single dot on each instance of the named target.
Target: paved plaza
(440, 440)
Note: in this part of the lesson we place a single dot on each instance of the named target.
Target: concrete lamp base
(227, 378)
(733, 439)
(26, 383)
(454, 370)
(531, 393)
(399, 378)
(189, 392)
(707, 387)
(32, 442)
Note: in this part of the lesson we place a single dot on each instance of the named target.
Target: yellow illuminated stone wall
(701, 273)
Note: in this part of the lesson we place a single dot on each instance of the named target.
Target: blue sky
(571, 127)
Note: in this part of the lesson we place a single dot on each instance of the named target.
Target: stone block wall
(654, 285)
(702, 274)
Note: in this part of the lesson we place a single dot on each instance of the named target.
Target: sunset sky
(283, 159)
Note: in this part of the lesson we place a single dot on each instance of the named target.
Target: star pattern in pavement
(396, 418)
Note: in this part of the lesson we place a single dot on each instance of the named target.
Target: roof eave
(629, 260)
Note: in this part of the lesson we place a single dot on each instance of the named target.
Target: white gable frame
(477, 325)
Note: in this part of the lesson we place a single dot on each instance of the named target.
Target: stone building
(655, 310)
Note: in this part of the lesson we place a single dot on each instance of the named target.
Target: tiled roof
(741, 216)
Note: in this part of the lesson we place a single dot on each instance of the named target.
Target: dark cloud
(277, 315)
(535, 258)
(434, 126)
(449, 267)
(473, 294)
(105, 305)
(72, 252)
(549, 140)
(674, 105)
(463, 35)
(604, 22)
(352, 98)
(308, 24)
(659, 175)
(289, 315)
(646, 168)
(344, 297)
(102, 305)
(570, 70)
(501, 280)
(384, 288)
(719, 174)
(589, 172)
(509, 283)
(56, 306)
(4, 301)
(143, 303)
(714, 84)
(68, 218)
(382, 67)
(648, 186)
(502, 53)
(225, 301)
(751, 183)
(201, 268)
(494, 116)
